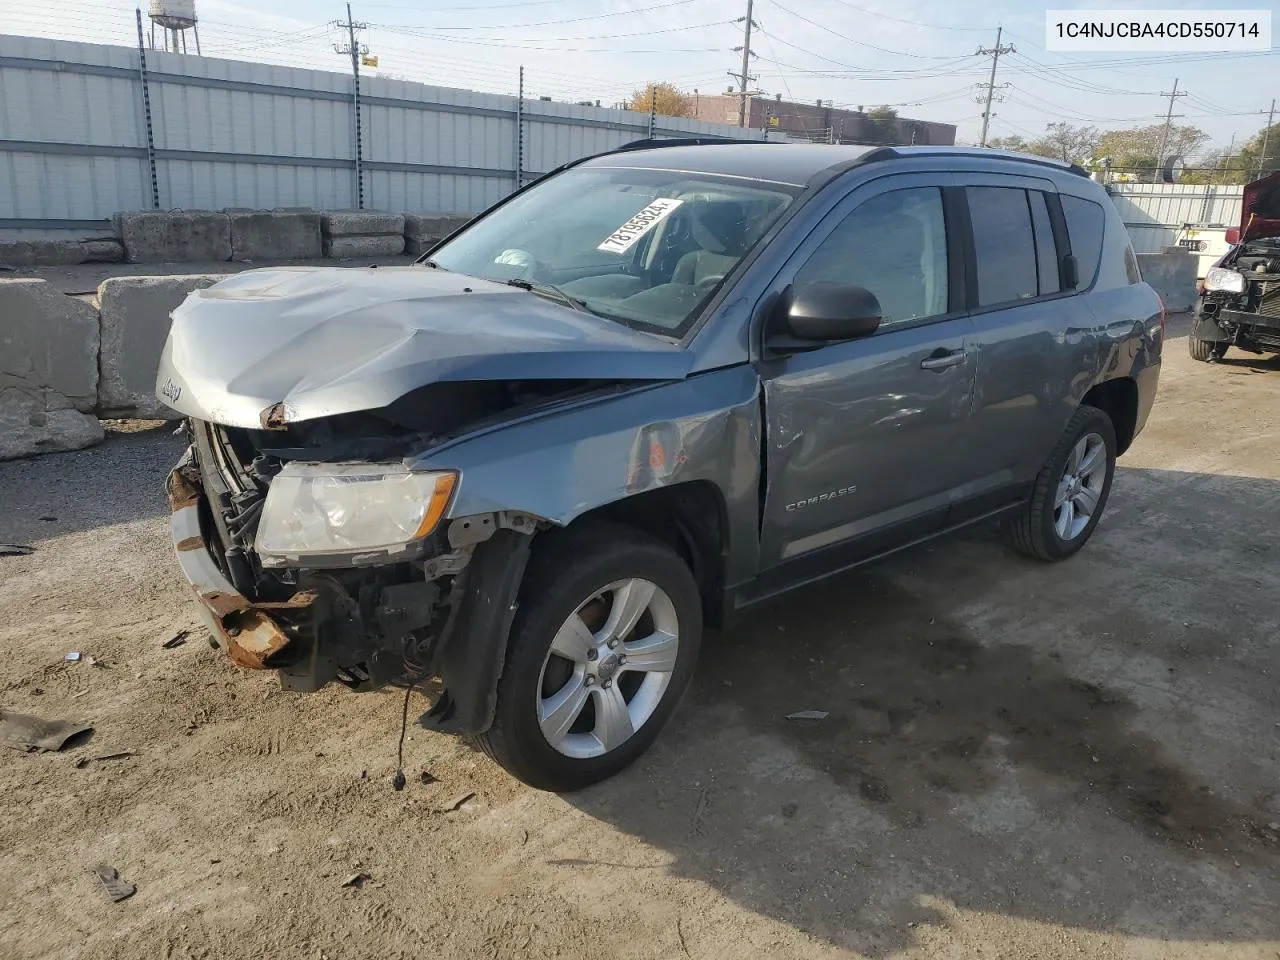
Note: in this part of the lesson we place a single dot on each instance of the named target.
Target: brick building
(821, 122)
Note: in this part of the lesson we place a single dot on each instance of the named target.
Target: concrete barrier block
(362, 223)
(276, 235)
(135, 323)
(59, 253)
(1173, 276)
(178, 236)
(422, 231)
(340, 248)
(48, 370)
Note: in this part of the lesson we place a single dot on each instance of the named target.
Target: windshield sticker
(622, 239)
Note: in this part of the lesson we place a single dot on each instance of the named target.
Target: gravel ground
(1020, 760)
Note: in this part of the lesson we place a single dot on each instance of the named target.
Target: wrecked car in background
(651, 389)
(1239, 302)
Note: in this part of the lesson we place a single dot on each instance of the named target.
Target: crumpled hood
(1260, 211)
(329, 340)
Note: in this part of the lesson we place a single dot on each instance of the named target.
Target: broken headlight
(318, 508)
(1228, 281)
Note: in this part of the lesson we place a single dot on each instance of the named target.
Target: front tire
(1206, 350)
(1070, 492)
(602, 648)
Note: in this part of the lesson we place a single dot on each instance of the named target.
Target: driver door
(866, 439)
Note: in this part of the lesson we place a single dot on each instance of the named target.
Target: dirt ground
(1020, 760)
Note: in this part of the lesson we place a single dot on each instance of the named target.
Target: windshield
(646, 248)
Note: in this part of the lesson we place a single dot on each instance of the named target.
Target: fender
(564, 465)
(570, 462)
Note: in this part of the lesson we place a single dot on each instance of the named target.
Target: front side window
(1004, 244)
(647, 248)
(894, 245)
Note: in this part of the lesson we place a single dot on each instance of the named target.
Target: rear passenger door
(1033, 339)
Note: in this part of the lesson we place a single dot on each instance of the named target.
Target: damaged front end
(1239, 300)
(1240, 304)
(317, 544)
(437, 606)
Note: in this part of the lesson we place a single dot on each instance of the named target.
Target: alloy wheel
(608, 667)
(1081, 486)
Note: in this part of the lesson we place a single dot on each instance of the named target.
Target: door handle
(941, 360)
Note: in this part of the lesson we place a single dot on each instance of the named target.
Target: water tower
(174, 18)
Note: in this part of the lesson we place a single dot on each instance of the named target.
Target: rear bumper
(256, 635)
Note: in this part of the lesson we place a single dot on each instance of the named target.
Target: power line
(546, 23)
(507, 41)
(848, 39)
(914, 23)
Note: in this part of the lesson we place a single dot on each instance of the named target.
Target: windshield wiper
(551, 290)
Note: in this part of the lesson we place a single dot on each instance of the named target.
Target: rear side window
(1046, 249)
(1004, 244)
(1086, 222)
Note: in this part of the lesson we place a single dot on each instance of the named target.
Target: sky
(917, 55)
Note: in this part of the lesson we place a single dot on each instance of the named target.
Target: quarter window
(1085, 223)
(1004, 244)
(894, 245)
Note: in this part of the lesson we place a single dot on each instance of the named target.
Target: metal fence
(1155, 213)
(86, 131)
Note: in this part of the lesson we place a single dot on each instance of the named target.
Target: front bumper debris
(256, 635)
(318, 635)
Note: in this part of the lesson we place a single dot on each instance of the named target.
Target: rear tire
(581, 578)
(1206, 350)
(1053, 524)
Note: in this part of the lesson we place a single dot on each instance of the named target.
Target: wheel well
(1118, 399)
(689, 518)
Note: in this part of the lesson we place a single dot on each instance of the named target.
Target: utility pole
(744, 77)
(995, 53)
(1266, 135)
(355, 51)
(1168, 122)
(1226, 161)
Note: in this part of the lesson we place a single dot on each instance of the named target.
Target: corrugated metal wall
(73, 144)
(1156, 212)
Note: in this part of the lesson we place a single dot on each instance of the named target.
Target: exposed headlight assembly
(324, 509)
(1228, 281)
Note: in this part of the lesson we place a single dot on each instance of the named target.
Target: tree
(671, 101)
(882, 126)
(1066, 142)
(1251, 153)
(1137, 150)
(1013, 143)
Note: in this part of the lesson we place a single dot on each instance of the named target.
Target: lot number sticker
(624, 238)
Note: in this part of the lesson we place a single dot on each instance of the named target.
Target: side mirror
(824, 311)
(1233, 235)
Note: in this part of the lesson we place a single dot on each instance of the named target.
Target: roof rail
(653, 144)
(988, 154)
